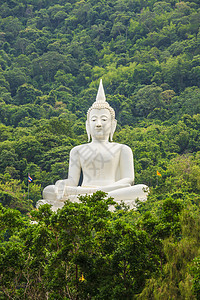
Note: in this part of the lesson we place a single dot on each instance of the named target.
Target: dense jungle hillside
(52, 56)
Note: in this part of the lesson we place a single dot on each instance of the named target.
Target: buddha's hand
(116, 186)
(60, 187)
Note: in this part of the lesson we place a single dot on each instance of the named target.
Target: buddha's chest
(102, 158)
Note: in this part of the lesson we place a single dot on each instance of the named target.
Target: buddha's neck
(99, 141)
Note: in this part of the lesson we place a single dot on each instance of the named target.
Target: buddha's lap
(140, 191)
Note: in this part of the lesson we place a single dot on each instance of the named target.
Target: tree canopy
(52, 56)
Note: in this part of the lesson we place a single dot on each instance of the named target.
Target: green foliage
(84, 251)
(14, 194)
(52, 56)
(175, 279)
(26, 94)
(47, 44)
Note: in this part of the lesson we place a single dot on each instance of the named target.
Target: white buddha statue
(105, 165)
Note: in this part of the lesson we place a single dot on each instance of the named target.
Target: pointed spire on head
(100, 102)
(101, 94)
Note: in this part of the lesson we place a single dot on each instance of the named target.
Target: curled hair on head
(102, 105)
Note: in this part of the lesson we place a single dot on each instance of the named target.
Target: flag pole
(28, 187)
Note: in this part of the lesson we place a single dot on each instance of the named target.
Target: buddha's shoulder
(121, 146)
(78, 148)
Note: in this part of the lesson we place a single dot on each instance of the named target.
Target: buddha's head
(101, 121)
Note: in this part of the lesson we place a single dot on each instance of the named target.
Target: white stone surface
(106, 166)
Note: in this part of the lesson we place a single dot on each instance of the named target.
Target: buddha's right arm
(73, 173)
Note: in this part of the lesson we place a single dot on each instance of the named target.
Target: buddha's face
(100, 124)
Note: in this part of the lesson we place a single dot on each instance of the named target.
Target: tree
(79, 241)
(49, 63)
(26, 93)
(11, 26)
(175, 72)
(15, 77)
(187, 102)
(147, 99)
(13, 194)
(8, 158)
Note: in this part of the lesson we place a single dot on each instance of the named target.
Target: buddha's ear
(88, 130)
(113, 127)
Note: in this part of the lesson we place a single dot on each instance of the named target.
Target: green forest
(53, 54)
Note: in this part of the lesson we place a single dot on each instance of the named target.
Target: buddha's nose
(98, 124)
